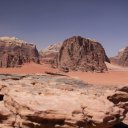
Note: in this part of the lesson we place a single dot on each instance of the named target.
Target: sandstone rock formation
(121, 58)
(48, 54)
(14, 52)
(49, 101)
(78, 53)
(120, 99)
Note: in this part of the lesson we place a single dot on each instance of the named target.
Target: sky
(45, 22)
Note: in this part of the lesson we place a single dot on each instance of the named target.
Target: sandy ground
(115, 76)
(114, 67)
(108, 78)
(30, 68)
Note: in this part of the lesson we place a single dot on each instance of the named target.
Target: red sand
(29, 68)
(116, 75)
(107, 78)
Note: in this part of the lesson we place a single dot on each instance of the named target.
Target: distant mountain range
(75, 53)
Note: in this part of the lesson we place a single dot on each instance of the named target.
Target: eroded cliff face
(14, 52)
(48, 54)
(54, 101)
(78, 53)
(121, 58)
(124, 58)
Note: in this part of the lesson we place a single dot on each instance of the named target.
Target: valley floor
(115, 76)
(110, 78)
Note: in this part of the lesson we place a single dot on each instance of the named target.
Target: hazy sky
(45, 22)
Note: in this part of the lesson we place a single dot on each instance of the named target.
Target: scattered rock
(54, 73)
(123, 89)
(118, 97)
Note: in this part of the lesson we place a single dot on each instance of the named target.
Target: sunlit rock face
(14, 52)
(48, 54)
(122, 57)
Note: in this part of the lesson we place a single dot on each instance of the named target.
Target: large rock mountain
(14, 52)
(78, 53)
(48, 54)
(121, 58)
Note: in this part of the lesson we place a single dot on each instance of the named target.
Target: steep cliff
(78, 53)
(14, 52)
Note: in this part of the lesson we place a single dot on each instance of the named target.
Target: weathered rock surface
(121, 58)
(78, 53)
(14, 52)
(120, 99)
(48, 54)
(49, 101)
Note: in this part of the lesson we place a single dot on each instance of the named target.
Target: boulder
(14, 52)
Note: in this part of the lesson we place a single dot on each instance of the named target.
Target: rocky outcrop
(121, 58)
(78, 53)
(49, 101)
(14, 52)
(120, 99)
(124, 58)
(48, 54)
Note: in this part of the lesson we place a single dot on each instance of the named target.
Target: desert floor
(114, 76)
